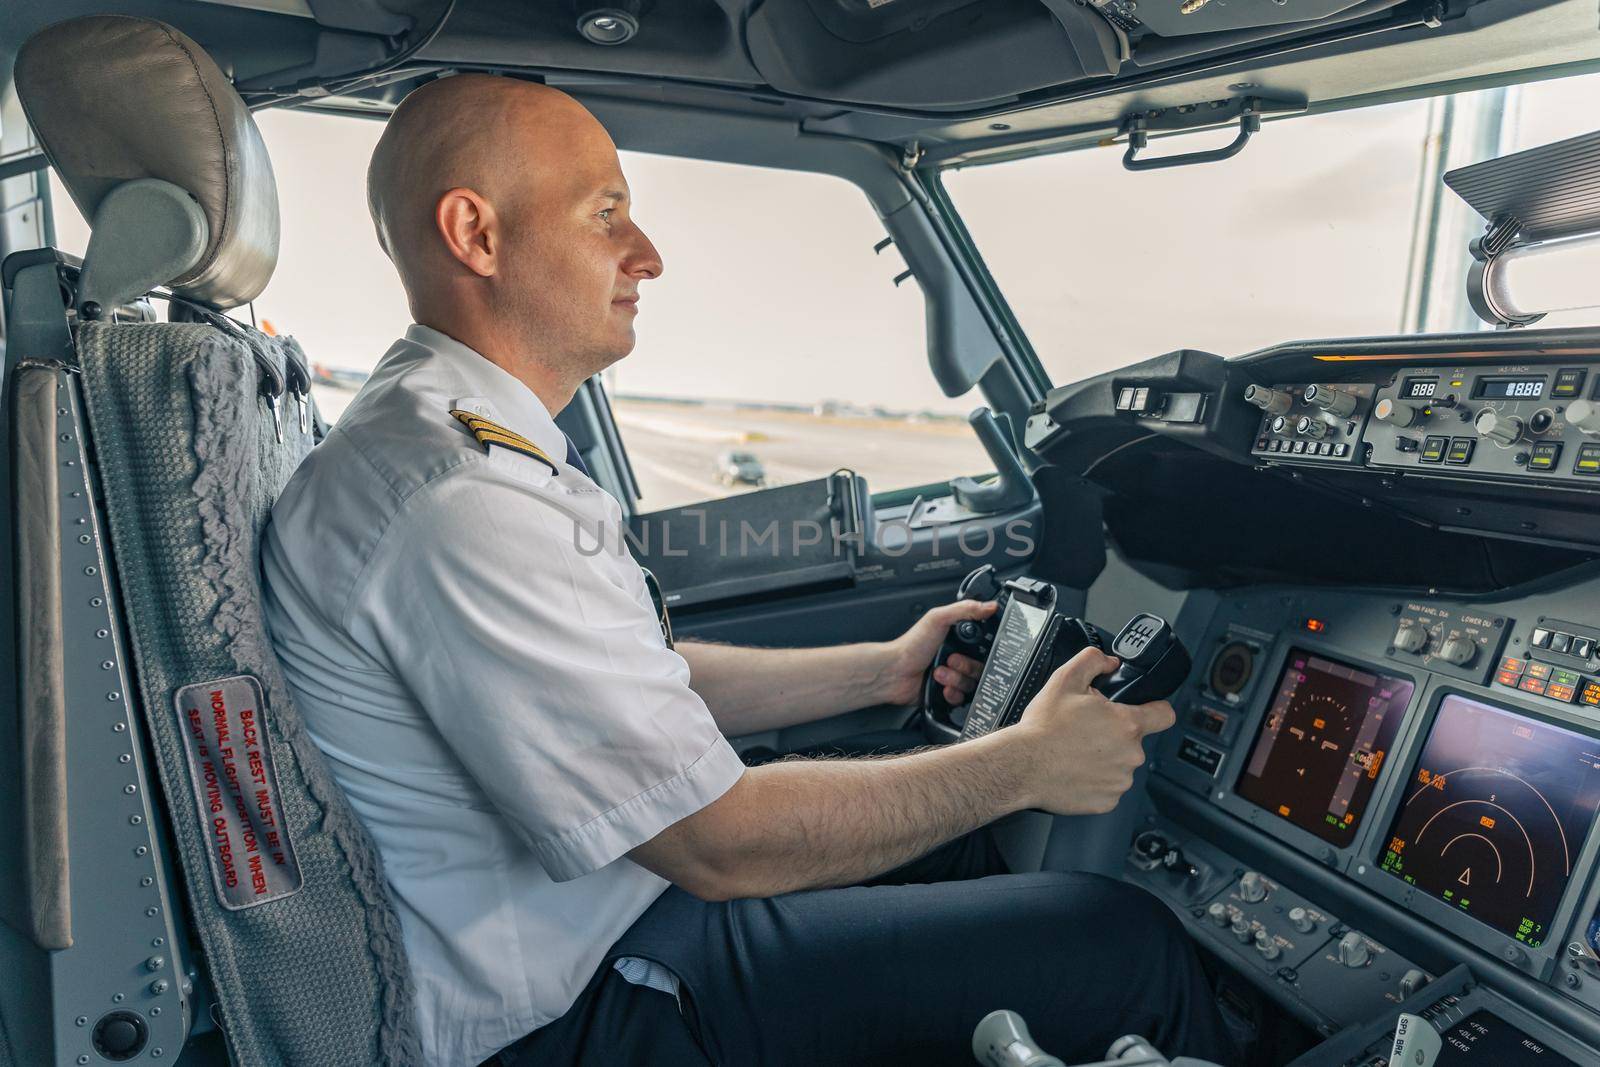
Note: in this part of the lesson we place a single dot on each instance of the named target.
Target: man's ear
(467, 224)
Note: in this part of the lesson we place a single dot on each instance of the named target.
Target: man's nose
(643, 260)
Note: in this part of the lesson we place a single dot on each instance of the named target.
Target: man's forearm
(810, 824)
(749, 690)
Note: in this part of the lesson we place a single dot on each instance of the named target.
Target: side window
(334, 290)
(774, 348)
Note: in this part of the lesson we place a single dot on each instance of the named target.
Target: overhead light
(612, 23)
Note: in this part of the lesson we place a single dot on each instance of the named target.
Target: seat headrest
(115, 99)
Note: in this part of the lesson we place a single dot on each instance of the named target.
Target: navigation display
(1322, 743)
(1494, 814)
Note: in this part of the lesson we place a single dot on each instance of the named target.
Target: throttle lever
(1154, 662)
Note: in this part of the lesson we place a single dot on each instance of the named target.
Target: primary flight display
(1316, 757)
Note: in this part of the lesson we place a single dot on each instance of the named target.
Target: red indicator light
(1316, 626)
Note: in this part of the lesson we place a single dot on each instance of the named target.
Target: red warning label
(236, 789)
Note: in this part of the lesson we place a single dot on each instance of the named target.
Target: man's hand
(1082, 749)
(911, 652)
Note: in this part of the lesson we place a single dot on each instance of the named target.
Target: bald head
(476, 131)
(503, 206)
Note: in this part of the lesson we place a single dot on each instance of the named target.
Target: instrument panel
(1412, 752)
(1531, 422)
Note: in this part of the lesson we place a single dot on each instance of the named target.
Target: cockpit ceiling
(958, 77)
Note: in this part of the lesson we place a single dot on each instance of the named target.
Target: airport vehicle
(1377, 811)
(740, 468)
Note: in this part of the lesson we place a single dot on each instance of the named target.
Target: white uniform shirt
(493, 693)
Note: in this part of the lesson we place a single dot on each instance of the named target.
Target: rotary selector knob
(1335, 402)
(1267, 946)
(1458, 650)
(1309, 426)
(1252, 887)
(1412, 981)
(1398, 412)
(1218, 914)
(1353, 950)
(1503, 430)
(1410, 636)
(1301, 920)
(1272, 401)
(1280, 424)
(1242, 930)
(1585, 415)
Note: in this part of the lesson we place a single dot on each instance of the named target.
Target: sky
(771, 290)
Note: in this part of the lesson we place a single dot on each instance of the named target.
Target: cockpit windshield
(1324, 226)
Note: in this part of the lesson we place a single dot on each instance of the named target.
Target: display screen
(1323, 741)
(1483, 1039)
(1523, 388)
(1494, 814)
(1014, 644)
(1419, 388)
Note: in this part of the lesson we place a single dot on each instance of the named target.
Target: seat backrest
(167, 446)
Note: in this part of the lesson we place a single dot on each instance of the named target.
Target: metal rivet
(158, 941)
(72, 463)
(61, 411)
(102, 634)
(155, 1053)
(95, 602)
(136, 819)
(152, 912)
(66, 437)
(77, 493)
(130, 789)
(83, 522)
(140, 851)
(83, 539)
(84, 1058)
(82, 1020)
(147, 881)
(159, 986)
(155, 1010)
(116, 998)
(118, 727)
(91, 570)
(113, 695)
(155, 963)
(106, 664)
(124, 758)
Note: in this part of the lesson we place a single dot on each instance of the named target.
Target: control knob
(1218, 914)
(1335, 402)
(1308, 426)
(1585, 415)
(1398, 412)
(1280, 424)
(1272, 401)
(1353, 950)
(1301, 920)
(1411, 636)
(1267, 946)
(1458, 650)
(1412, 981)
(1252, 887)
(1242, 930)
(1503, 430)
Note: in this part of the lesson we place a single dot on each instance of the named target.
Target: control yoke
(1002, 1040)
(1024, 642)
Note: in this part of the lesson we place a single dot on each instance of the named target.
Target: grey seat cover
(191, 466)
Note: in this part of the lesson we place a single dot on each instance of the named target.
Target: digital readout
(1526, 388)
(1419, 388)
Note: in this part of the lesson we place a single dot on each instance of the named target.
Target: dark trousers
(897, 971)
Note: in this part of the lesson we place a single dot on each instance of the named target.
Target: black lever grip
(1154, 662)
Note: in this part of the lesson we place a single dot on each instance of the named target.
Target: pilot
(584, 870)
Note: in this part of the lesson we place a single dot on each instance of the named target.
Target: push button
(1540, 638)
(1539, 670)
(1560, 642)
(1460, 452)
(1591, 694)
(1545, 455)
(1530, 684)
(1564, 693)
(1588, 461)
(1433, 450)
(1510, 678)
(1569, 381)
(1514, 665)
(1582, 647)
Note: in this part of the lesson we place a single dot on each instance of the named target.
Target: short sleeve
(526, 645)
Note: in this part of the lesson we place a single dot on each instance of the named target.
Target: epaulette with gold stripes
(492, 433)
